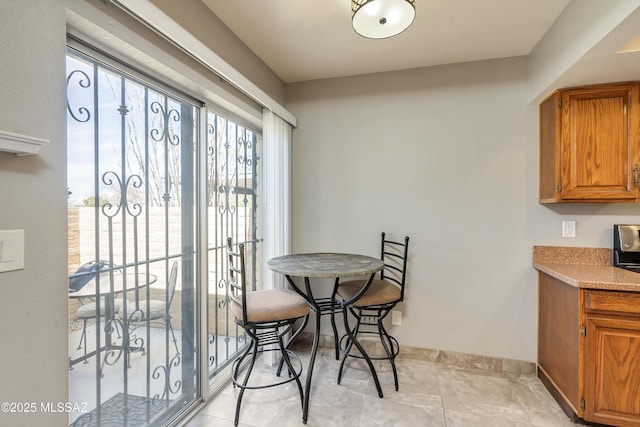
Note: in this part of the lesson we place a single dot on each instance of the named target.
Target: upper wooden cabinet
(590, 144)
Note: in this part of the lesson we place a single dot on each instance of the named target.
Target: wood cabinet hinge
(559, 186)
(560, 103)
(583, 330)
(583, 404)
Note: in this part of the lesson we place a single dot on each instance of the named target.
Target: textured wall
(449, 156)
(33, 306)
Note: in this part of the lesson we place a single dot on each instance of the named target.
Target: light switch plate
(11, 250)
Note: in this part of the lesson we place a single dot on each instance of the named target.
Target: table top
(325, 264)
(132, 281)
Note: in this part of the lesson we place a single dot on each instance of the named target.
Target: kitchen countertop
(588, 268)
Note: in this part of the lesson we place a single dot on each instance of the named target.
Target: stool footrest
(293, 357)
(395, 347)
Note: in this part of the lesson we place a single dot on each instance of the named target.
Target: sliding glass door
(157, 182)
(132, 151)
(233, 175)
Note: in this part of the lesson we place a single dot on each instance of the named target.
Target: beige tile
(482, 393)
(384, 412)
(541, 409)
(431, 393)
(455, 418)
(335, 405)
(205, 420)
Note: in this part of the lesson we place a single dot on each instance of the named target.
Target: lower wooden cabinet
(589, 351)
(612, 357)
(612, 370)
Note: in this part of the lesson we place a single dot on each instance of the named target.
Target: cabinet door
(612, 370)
(599, 149)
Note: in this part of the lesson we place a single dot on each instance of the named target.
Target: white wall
(33, 198)
(33, 302)
(580, 28)
(447, 155)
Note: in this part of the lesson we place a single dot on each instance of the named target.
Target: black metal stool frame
(262, 334)
(375, 314)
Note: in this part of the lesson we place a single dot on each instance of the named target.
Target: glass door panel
(233, 183)
(132, 296)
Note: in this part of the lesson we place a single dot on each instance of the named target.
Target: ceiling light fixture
(379, 19)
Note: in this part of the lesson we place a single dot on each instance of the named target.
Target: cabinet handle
(635, 175)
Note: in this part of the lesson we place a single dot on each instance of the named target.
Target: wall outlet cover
(11, 250)
(568, 229)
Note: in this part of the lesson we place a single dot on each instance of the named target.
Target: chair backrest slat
(237, 277)
(173, 279)
(394, 256)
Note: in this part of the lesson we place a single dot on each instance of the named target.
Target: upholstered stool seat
(272, 305)
(379, 292)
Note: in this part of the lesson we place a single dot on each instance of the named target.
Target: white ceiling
(312, 39)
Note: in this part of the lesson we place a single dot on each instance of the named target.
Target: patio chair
(90, 311)
(267, 316)
(87, 311)
(374, 305)
(143, 311)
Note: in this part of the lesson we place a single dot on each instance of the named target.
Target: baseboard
(463, 360)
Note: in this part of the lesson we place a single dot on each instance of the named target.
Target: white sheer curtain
(276, 151)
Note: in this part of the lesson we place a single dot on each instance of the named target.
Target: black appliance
(626, 246)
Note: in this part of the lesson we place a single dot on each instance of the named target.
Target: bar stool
(374, 305)
(267, 316)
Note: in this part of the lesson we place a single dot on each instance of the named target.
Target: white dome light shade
(379, 19)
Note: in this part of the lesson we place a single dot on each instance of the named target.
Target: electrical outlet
(568, 229)
(11, 250)
(396, 317)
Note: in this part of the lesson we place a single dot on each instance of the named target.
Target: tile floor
(431, 394)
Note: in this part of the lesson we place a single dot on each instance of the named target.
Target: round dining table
(325, 265)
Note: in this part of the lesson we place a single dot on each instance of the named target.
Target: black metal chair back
(237, 279)
(173, 279)
(394, 256)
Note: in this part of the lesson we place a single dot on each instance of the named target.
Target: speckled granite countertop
(588, 268)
